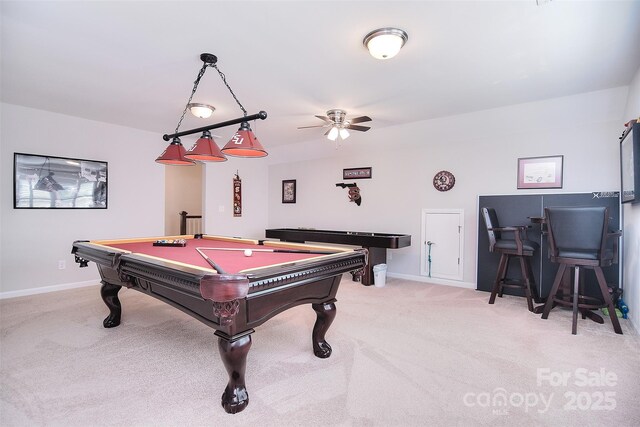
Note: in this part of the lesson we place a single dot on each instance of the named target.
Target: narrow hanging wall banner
(237, 195)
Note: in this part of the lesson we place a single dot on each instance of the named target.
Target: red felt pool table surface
(231, 261)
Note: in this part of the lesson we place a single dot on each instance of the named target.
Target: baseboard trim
(47, 289)
(445, 282)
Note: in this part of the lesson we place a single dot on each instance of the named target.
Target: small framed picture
(289, 191)
(356, 173)
(540, 172)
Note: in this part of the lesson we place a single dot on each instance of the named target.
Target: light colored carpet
(406, 354)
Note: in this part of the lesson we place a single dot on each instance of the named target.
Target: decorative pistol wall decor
(354, 192)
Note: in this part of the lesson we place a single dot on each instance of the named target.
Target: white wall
(183, 192)
(218, 205)
(34, 240)
(481, 149)
(631, 226)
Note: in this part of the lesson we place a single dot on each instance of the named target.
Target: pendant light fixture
(385, 43)
(202, 111)
(205, 150)
(243, 144)
(174, 155)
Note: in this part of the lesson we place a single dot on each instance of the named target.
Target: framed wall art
(289, 191)
(357, 173)
(540, 172)
(50, 182)
(237, 195)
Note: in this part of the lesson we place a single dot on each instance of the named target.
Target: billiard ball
(248, 252)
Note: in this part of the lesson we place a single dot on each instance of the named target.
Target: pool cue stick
(290, 251)
(215, 266)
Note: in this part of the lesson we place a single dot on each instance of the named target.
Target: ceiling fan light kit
(385, 43)
(333, 133)
(338, 124)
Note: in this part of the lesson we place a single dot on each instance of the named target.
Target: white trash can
(379, 275)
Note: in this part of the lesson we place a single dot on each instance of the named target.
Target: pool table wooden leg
(325, 312)
(109, 294)
(234, 356)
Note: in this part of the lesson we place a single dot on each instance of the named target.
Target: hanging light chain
(193, 92)
(224, 80)
(195, 87)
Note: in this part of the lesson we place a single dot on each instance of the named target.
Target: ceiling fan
(337, 122)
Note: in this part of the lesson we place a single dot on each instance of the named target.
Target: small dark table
(251, 290)
(376, 243)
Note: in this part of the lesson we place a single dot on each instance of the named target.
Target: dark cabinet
(517, 210)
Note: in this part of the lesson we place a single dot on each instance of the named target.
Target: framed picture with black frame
(51, 182)
(289, 191)
(630, 163)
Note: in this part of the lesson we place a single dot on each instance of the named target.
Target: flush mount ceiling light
(202, 111)
(243, 143)
(385, 43)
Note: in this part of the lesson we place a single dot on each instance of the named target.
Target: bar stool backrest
(582, 228)
(491, 221)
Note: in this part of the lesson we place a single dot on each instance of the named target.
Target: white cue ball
(248, 252)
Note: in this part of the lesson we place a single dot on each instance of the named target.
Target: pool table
(375, 243)
(233, 292)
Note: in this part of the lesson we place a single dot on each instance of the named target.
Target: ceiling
(133, 63)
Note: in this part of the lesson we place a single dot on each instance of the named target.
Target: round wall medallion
(444, 181)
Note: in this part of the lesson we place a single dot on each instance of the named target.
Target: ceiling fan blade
(360, 128)
(360, 119)
(327, 132)
(325, 118)
(306, 127)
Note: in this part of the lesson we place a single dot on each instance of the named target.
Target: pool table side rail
(306, 270)
(177, 237)
(297, 263)
(278, 244)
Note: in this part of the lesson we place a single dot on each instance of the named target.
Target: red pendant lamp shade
(206, 150)
(174, 154)
(244, 144)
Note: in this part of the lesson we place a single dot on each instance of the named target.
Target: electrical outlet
(221, 208)
(390, 255)
(62, 264)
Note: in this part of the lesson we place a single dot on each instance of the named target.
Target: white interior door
(442, 243)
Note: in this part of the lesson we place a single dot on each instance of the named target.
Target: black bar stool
(578, 239)
(517, 247)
